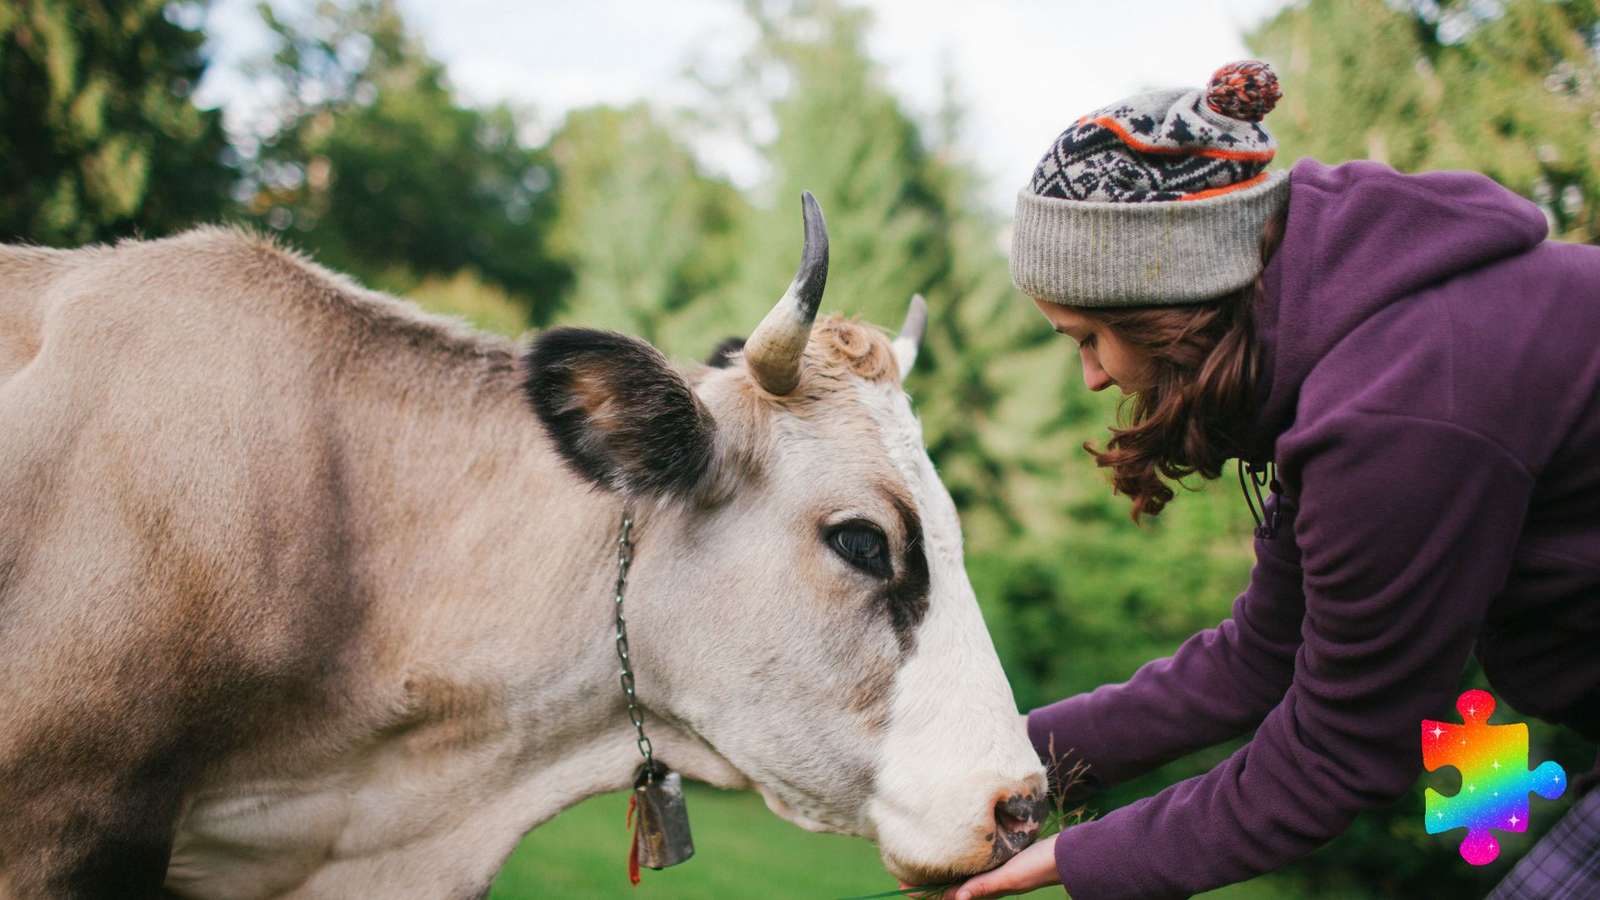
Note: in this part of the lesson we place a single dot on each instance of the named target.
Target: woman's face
(1107, 359)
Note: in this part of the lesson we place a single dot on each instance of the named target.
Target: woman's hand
(1033, 868)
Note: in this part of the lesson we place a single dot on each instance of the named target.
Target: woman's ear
(621, 417)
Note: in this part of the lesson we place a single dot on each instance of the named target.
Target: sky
(1024, 68)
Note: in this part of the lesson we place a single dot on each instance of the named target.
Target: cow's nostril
(1019, 817)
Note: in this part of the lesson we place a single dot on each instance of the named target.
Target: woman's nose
(1094, 377)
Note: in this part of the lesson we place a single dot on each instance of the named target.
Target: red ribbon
(633, 845)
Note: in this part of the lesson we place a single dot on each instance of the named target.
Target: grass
(741, 850)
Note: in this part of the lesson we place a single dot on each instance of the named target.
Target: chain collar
(661, 827)
(635, 714)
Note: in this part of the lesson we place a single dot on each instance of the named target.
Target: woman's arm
(1218, 685)
(1407, 527)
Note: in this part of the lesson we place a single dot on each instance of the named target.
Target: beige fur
(293, 583)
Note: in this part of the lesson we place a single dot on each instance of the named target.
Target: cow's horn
(910, 336)
(774, 349)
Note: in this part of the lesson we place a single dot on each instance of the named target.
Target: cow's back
(26, 274)
(173, 557)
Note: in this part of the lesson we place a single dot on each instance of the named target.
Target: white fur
(954, 719)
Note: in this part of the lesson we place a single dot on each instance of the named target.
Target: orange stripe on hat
(1116, 128)
(1227, 188)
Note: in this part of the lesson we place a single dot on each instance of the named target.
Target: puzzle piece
(1495, 780)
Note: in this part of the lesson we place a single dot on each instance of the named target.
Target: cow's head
(799, 600)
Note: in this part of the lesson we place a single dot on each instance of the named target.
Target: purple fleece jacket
(1433, 405)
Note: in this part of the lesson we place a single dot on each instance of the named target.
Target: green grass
(741, 850)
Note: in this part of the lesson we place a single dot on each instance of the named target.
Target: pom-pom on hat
(1246, 90)
(1156, 199)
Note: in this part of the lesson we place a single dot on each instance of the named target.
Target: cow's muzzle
(1017, 820)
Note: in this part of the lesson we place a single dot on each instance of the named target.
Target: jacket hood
(1359, 237)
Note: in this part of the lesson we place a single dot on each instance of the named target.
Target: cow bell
(662, 836)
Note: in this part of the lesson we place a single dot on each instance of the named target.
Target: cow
(305, 592)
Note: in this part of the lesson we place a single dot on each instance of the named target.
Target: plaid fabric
(1565, 864)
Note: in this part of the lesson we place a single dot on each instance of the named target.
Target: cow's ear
(722, 355)
(619, 414)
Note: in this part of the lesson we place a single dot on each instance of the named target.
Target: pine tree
(377, 169)
(646, 232)
(1508, 89)
(842, 135)
(101, 138)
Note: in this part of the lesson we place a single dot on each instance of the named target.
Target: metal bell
(662, 838)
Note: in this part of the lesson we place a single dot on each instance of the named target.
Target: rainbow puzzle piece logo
(1495, 781)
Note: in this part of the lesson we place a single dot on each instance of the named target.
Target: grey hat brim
(1080, 253)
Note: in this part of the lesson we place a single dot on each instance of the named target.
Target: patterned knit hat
(1157, 199)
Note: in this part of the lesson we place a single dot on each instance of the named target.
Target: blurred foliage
(647, 234)
(369, 161)
(101, 139)
(467, 295)
(1510, 88)
(901, 220)
(375, 164)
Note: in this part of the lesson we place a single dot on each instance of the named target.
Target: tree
(1510, 89)
(648, 235)
(101, 137)
(839, 133)
(896, 220)
(377, 169)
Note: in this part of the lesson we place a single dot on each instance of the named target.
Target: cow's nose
(1017, 819)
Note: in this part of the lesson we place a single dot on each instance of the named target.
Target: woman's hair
(1199, 403)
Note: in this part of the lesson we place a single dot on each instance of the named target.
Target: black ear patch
(619, 414)
(722, 356)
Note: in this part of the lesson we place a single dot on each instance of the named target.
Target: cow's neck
(494, 568)
(479, 696)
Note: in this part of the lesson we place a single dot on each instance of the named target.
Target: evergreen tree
(1509, 89)
(893, 224)
(101, 138)
(648, 234)
(842, 135)
(377, 169)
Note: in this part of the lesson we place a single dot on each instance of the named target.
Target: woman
(1424, 369)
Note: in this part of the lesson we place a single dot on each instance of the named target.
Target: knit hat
(1157, 199)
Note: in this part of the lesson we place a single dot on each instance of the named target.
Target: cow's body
(298, 598)
(236, 498)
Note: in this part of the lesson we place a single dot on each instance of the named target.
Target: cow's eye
(862, 545)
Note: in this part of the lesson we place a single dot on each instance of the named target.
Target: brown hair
(1199, 402)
